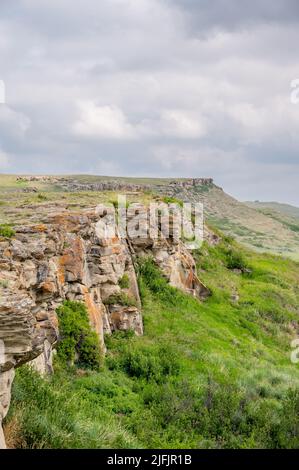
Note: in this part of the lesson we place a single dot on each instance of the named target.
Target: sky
(155, 88)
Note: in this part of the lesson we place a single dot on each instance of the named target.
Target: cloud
(102, 122)
(233, 14)
(3, 160)
(180, 124)
(13, 123)
(110, 122)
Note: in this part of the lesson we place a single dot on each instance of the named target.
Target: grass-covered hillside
(215, 374)
(284, 209)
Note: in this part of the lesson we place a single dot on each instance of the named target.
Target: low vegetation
(41, 197)
(124, 282)
(78, 343)
(6, 231)
(172, 200)
(121, 299)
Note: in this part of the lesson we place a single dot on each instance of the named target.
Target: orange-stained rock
(96, 312)
(125, 318)
(40, 228)
(7, 253)
(48, 286)
(72, 262)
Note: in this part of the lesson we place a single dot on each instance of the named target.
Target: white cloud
(181, 124)
(110, 122)
(102, 122)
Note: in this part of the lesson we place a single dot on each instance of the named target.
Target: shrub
(121, 299)
(172, 200)
(124, 282)
(143, 363)
(79, 344)
(42, 197)
(235, 260)
(288, 431)
(6, 231)
(149, 363)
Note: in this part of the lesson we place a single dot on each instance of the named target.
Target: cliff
(74, 185)
(66, 257)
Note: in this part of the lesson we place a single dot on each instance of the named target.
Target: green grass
(205, 375)
(6, 231)
(172, 200)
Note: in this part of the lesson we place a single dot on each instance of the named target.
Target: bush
(149, 363)
(79, 344)
(6, 231)
(288, 431)
(124, 282)
(42, 197)
(172, 200)
(235, 260)
(121, 299)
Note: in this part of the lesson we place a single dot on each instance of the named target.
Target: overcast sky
(153, 88)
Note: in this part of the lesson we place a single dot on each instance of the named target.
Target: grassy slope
(286, 215)
(254, 228)
(212, 374)
(285, 209)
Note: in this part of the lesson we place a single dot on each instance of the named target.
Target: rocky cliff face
(70, 184)
(67, 257)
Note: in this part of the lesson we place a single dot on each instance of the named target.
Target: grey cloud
(205, 15)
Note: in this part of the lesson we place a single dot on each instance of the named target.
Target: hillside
(285, 209)
(257, 229)
(285, 214)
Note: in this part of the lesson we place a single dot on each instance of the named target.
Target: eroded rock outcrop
(69, 257)
(121, 185)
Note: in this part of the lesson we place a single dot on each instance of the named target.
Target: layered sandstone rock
(167, 249)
